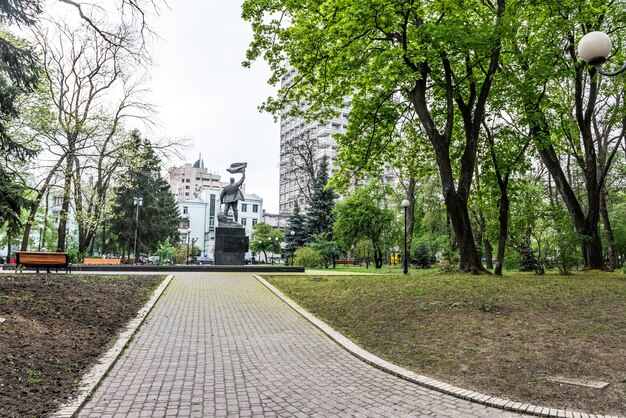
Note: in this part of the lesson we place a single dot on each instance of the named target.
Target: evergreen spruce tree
(18, 76)
(319, 218)
(296, 224)
(158, 215)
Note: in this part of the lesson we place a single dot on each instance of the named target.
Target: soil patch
(502, 336)
(56, 326)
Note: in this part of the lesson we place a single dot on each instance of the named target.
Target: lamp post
(193, 243)
(405, 259)
(291, 244)
(594, 48)
(137, 201)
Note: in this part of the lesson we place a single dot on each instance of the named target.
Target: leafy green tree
(438, 59)
(422, 253)
(328, 249)
(166, 251)
(319, 217)
(158, 216)
(308, 257)
(265, 239)
(364, 215)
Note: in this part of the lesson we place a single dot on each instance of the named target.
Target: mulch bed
(56, 327)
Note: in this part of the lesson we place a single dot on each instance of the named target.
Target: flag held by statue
(236, 168)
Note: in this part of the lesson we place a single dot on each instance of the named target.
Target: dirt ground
(55, 327)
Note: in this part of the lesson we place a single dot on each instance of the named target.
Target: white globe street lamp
(594, 48)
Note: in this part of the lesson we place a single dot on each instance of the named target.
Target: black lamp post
(405, 259)
(594, 48)
(193, 244)
(292, 249)
(137, 201)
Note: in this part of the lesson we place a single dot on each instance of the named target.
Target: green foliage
(423, 252)
(265, 239)
(327, 248)
(296, 236)
(180, 256)
(158, 216)
(166, 251)
(19, 72)
(319, 217)
(308, 257)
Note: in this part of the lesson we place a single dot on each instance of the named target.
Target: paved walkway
(224, 345)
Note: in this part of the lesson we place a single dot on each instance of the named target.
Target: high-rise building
(187, 181)
(302, 146)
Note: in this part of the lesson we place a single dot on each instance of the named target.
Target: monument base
(231, 245)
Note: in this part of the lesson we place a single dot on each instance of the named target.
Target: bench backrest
(34, 258)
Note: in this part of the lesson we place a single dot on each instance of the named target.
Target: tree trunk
(585, 224)
(63, 216)
(33, 212)
(611, 253)
(503, 218)
(410, 217)
(459, 217)
(488, 253)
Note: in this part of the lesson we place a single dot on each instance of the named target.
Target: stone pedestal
(231, 245)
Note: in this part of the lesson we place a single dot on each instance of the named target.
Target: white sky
(203, 93)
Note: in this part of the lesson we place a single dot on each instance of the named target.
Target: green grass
(499, 335)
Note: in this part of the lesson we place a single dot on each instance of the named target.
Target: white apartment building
(296, 132)
(199, 218)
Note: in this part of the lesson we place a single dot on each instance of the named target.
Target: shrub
(308, 257)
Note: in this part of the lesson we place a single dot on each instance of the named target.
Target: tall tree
(319, 217)
(364, 215)
(439, 57)
(18, 76)
(158, 217)
(296, 236)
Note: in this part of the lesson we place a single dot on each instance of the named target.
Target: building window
(244, 207)
(253, 222)
(188, 180)
(255, 208)
(187, 187)
(185, 210)
(244, 221)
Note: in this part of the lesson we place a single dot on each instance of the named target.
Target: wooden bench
(346, 262)
(107, 261)
(42, 259)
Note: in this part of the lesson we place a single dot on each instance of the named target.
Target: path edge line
(419, 379)
(98, 371)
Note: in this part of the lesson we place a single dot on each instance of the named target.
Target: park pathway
(221, 344)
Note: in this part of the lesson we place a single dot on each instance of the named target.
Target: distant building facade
(198, 218)
(187, 181)
(316, 140)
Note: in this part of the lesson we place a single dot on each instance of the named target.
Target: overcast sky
(203, 93)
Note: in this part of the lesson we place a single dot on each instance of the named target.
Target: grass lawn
(503, 336)
(56, 326)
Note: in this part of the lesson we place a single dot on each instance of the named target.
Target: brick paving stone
(221, 344)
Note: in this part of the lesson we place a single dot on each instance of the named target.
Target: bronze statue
(231, 194)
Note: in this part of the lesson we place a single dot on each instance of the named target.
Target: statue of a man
(231, 195)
